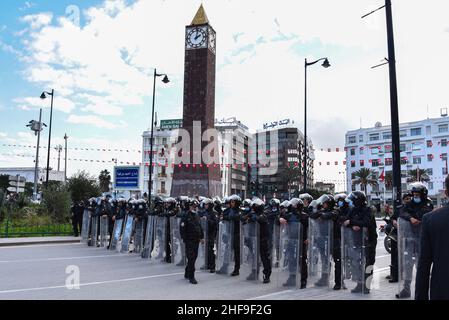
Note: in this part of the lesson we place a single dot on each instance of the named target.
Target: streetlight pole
(37, 128)
(325, 64)
(43, 96)
(150, 182)
(59, 149)
(65, 158)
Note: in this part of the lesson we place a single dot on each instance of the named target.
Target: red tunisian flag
(382, 176)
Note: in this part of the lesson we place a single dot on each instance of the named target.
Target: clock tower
(196, 175)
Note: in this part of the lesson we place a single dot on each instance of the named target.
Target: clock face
(196, 38)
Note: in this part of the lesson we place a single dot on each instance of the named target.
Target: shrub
(57, 203)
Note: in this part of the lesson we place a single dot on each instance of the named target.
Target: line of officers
(327, 242)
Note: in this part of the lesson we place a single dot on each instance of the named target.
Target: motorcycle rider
(413, 213)
(192, 234)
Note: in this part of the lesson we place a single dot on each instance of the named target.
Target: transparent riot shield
(408, 249)
(138, 235)
(104, 228)
(225, 252)
(159, 249)
(274, 244)
(126, 237)
(116, 233)
(203, 250)
(94, 231)
(178, 248)
(249, 248)
(149, 237)
(319, 252)
(353, 259)
(85, 226)
(289, 273)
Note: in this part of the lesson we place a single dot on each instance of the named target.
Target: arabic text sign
(127, 178)
(171, 124)
(276, 123)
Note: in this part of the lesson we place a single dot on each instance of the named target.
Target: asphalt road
(39, 272)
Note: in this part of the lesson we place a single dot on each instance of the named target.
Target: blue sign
(127, 178)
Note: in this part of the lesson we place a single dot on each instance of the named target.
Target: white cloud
(59, 103)
(37, 21)
(91, 120)
(27, 5)
(3, 135)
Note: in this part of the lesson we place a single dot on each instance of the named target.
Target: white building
(28, 174)
(423, 144)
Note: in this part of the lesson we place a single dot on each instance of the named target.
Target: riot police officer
(342, 210)
(412, 214)
(192, 234)
(306, 200)
(77, 210)
(212, 220)
(232, 214)
(261, 218)
(360, 218)
(272, 214)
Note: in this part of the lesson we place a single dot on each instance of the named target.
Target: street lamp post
(65, 158)
(150, 184)
(325, 64)
(44, 96)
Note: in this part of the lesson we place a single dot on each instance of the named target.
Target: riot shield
(94, 231)
(408, 249)
(353, 259)
(116, 233)
(178, 248)
(85, 226)
(225, 253)
(274, 244)
(126, 237)
(319, 252)
(202, 260)
(104, 228)
(159, 249)
(149, 238)
(289, 273)
(138, 235)
(249, 248)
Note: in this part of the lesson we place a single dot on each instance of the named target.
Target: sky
(99, 57)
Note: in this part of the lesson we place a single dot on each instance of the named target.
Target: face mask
(351, 204)
(417, 200)
(341, 204)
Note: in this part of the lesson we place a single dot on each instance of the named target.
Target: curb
(26, 243)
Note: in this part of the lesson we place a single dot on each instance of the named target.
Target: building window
(361, 150)
(444, 142)
(442, 128)
(375, 163)
(352, 176)
(429, 157)
(430, 185)
(416, 160)
(402, 147)
(402, 133)
(374, 150)
(388, 148)
(429, 143)
(361, 138)
(352, 139)
(374, 137)
(430, 172)
(386, 135)
(415, 132)
(403, 161)
(362, 163)
(352, 152)
(388, 161)
(352, 164)
(416, 146)
(164, 141)
(162, 186)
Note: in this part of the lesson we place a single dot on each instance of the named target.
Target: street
(39, 272)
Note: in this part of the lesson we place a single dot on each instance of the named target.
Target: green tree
(290, 175)
(417, 174)
(4, 182)
(389, 180)
(365, 177)
(105, 180)
(82, 186)
(57, 202)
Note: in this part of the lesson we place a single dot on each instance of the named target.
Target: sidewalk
(6, 242)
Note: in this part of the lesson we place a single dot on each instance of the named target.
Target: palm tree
(105, 180)
(418, 174)
(365, 177)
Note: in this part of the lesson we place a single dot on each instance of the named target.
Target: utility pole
(59, 149)
(37, 127)
(65, 158)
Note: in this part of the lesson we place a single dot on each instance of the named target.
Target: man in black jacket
(434, 254)
(192, 234)
(77, 217)
(410, 218)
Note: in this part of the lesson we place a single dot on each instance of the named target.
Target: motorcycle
(388, 229)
